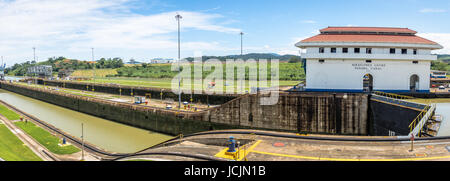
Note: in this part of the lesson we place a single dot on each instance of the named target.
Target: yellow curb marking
(243, 152)
(348, 159)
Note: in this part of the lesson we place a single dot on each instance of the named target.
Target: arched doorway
(368, 83)
(414, 83)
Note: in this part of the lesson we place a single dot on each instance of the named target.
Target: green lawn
(11, 115)
(167, 83)
(46, 139)
(12, 149)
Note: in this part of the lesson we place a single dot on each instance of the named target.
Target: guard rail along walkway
(417, 125)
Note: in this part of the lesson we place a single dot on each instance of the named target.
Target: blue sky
(147, 29)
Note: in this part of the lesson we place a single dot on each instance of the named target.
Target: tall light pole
(93, 70)
(178, 18)
(35, 68)
(242, 34)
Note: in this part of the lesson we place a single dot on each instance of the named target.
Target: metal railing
(391, 95)
(417, 125)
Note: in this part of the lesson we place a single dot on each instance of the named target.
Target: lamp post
(242, 34)
(35, 68)
(93, 70)
(178, 18)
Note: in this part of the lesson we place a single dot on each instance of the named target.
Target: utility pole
(178, 18)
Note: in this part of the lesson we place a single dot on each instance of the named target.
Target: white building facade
(364, 59)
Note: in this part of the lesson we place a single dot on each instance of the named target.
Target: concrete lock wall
(304, 112)
(154, 119)
(141, 91)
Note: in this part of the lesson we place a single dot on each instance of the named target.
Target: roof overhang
(367, 44)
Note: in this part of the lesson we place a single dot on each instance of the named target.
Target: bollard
(231, 145)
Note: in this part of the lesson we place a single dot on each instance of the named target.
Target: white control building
(362, 59)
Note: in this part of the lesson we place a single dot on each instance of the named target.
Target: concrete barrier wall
(141, 91)
(305, 112)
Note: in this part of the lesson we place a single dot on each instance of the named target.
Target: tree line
(62, 63)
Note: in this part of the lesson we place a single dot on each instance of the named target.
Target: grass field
(98, 73)
(12, 149)
(167, 83)
(11, 115)
(45, 138)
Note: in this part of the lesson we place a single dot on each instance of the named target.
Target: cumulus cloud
(431, 10)
(67, 27)
(441, 38)
(309, 22)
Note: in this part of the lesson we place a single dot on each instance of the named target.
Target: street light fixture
(178, 18)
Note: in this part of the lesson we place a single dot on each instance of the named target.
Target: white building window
(321, 50)
(344, 50)
(415, 51)
(404, 51)
(369, 50)
(357, 50)
(333, 50)
(392, 50)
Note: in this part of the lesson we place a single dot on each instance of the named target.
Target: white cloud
(309, 22)
(431, 10)
(71, 27)
(441, 38)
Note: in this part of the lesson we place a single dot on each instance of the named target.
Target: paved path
(35, 146)
(266, 148)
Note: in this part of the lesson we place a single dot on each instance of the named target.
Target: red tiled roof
(368, 38)
(368, 29)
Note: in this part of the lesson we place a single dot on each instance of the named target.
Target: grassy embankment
(10, 115)
(167, 83)
(42, 136)
(45, 138)
(11, 147)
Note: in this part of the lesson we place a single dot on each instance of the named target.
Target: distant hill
(255, 56)
(444, 57)
(63, 64)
